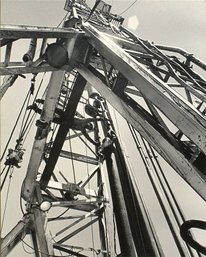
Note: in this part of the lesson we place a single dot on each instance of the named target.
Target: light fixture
(45, 205)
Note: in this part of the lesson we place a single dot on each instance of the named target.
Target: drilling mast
(78, 165)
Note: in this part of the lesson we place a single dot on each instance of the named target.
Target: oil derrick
(96, 62)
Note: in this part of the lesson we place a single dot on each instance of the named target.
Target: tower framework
(96, 63)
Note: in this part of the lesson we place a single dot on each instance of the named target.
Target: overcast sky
(177, 23)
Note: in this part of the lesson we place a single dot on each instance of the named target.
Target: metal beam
(20, 31)
(26, 69)
(79, 202)
(5, 41)
(183, 167)
(79, 157)
(155, 119)
(80, 205)
(13, 63)
(133, 91)
(39, 225)
(34, 241)
(41, 135)
(126, 241)
(63, 129)
(8, 81)
(77, 231)
(15, 236)
(79, 135)
(125, 43)
(7, 54)
(89, 176)
(178, 50)
(162, 123)
(85, 216)
(71, 253)
(143, 240)
(188, 119)
(142, 236)
(73, 188)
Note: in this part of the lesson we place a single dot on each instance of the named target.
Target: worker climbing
(93, 106)
(80, 124)
(58, 112)
(106, 147)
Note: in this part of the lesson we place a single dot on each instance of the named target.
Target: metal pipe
(184, 53)
(142, 236)
(29, 55)
(124, 231)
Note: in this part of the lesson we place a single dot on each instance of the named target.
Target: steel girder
(42, 132)
(16, 32)
(15, 236)
(175, 158)
(183, 114)
(118, 52)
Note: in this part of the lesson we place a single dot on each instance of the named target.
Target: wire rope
(137, 195)
(170, 64)
(92, 230)
(128, 7)
(7, 197)
(52, 255)
(117, 125)
(175, 208)
(72, 159)
(18, 118)
(60, 215)
(4, 179)
(15, 125)
(92, 235)
(181, 247)
(23, 246)
(128, 178)
(93, 9)
(161, 177)
(63, 19)
(87, 169)
(52, 239)
(28, 129)
(114, 227)
(133, 199)
(27, 122)
(106, 232)
(21, 129)
(3, 170)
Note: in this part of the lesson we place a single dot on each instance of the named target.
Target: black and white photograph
(103, 128)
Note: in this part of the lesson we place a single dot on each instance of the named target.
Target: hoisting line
(17, 120)
(7, 194)
(159, 195)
